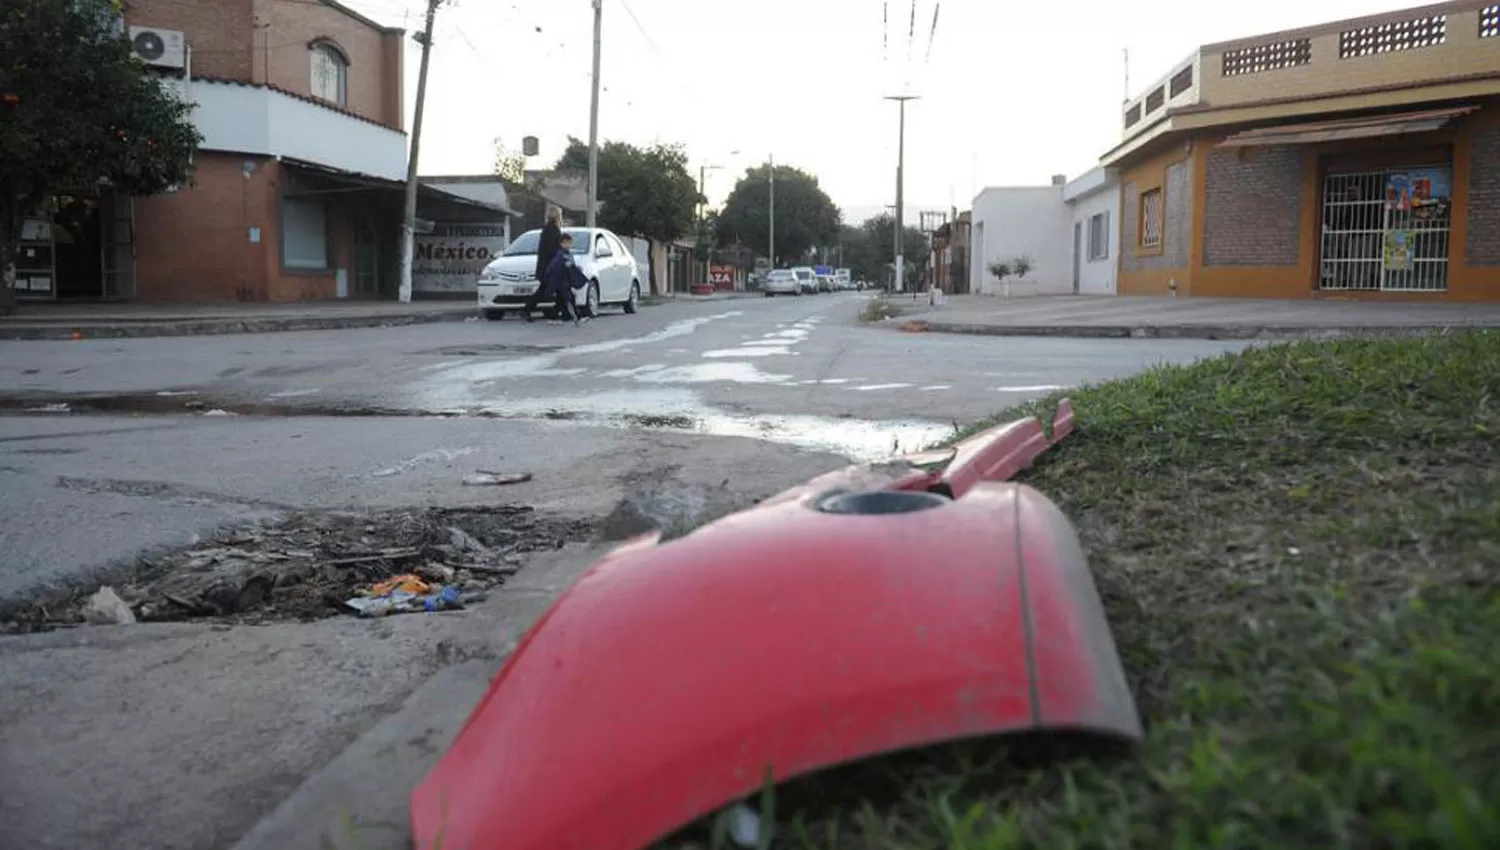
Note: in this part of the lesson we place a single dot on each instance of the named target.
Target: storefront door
(366, 259)
(1386, 230)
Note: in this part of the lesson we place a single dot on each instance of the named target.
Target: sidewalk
(92, 321)
(1190, 318)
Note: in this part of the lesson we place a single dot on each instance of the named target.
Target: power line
(932, 33)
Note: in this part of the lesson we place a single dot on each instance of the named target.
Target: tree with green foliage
(643, 191)
(79, 113)
(915, 245)
(510, 164)
(805, 215)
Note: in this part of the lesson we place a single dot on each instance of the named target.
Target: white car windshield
(526, 244)
(782, 276)
(802, 275)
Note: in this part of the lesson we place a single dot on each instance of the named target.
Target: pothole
(495, 350)
(307, 566)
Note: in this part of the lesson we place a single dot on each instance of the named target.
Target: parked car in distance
(613, 275)
(807, 280)
(825, 283)
(781, 282)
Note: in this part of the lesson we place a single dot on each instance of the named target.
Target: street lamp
(703, 204)
(900, 186)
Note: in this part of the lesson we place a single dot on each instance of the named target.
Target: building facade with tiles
(1359, 158)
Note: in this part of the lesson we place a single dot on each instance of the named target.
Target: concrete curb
(1217, 332)
(13, 330)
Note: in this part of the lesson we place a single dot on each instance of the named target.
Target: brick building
(298, 184)
(1355, 158)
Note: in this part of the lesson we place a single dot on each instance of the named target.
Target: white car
(807, 279)
(782, 282)
(613, 275)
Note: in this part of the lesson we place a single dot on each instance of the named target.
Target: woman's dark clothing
(546, 248)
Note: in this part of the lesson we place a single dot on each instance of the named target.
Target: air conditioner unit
(159, 48)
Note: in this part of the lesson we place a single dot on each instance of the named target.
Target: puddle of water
(703, 373)
(443, 455)
(633, 373)
(681, 411)
(748, 351)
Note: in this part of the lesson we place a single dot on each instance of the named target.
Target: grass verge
(1298, 548)
(879, 309)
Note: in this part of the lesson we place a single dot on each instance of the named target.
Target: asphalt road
(798, 371)
(207, 728)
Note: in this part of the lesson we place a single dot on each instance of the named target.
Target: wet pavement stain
(677, 411)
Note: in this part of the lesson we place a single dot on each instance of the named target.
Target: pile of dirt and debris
(315, 565)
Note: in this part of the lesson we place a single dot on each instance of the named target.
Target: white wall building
(1031, 221)
(1094, 200)
(1069, 230)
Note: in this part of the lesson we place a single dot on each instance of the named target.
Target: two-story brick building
(298, 184)
(1360, 157)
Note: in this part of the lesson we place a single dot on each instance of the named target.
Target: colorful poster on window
(1398, 247)
(1430, 185)
(1398, 192)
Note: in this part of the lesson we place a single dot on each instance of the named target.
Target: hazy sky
(1011, 93)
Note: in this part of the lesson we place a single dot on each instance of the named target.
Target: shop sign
(451, 257)
(722, 277)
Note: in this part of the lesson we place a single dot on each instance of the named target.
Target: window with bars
(1489, 21)
(1267, 57)
(1152, 210)
(1409, 34)
(1099, 236)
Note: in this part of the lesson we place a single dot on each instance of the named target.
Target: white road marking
(1040, 388)
(869, 388)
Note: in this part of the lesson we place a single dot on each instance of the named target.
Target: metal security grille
(1489, 21)
(1151, 211)
(1371, 243)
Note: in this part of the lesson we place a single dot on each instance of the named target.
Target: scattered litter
(486, 478)
(409, 584)
(305, 566)
(106, 608)
(915, 327)
(401, 595)
(744, 825)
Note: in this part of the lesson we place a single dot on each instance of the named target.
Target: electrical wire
(932, 33)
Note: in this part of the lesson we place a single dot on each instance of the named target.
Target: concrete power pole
(593, 205)
(900, 254)
(771, 173)
(409, 218)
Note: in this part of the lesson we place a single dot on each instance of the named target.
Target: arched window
(330, 74)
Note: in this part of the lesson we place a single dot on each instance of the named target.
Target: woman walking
(545, 249)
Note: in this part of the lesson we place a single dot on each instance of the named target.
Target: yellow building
(1357, 158)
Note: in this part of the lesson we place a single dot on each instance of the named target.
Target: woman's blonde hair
(554, 214)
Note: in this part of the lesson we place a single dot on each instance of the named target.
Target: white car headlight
(489, 275)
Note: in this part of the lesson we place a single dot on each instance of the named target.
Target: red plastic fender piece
(670, 678)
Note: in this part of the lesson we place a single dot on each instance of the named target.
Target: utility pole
(409, 218)
(593, 205)
(900, 255)
(771, 173)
